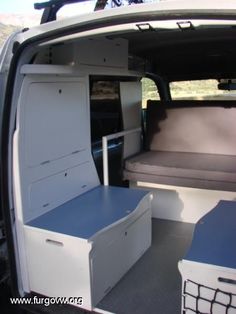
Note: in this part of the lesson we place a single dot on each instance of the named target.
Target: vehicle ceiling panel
(187, 54)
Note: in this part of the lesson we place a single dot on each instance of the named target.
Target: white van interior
(116, 238)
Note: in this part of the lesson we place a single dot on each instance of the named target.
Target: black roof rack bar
(52, 7)
(51, 3)
(100, 5)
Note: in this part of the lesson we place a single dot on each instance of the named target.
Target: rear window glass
(200, 90)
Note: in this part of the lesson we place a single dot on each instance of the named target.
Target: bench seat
(214, 235)
(84, 246)
(188, 143)
(91, 212)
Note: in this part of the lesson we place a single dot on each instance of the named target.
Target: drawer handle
(58, 243)
(227, 280)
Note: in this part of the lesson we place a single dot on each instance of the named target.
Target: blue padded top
(90, 212)
(214, 237)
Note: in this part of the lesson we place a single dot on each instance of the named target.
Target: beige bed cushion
(180, 165)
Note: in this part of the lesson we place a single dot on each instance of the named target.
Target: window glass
(200, 90)
(149, 91)
(105, 90)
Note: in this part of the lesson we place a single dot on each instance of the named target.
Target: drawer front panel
(58, 265)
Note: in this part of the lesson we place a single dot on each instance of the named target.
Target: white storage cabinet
(76, 238)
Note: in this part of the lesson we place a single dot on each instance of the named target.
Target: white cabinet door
(107, 266)
(112, 261)
(137, 239)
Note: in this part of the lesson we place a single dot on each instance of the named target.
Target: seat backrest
(192, 126)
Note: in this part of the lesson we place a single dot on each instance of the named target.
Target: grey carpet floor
(153, 285)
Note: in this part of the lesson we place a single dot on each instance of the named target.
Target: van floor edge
(153, 284)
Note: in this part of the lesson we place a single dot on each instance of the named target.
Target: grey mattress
(180, 165)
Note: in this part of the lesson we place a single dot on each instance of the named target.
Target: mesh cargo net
(201, 299)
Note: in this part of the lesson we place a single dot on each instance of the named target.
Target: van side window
(199, 90)
(149, 91)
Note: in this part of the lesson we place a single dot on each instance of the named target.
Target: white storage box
(83, 247)
(209, 268)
